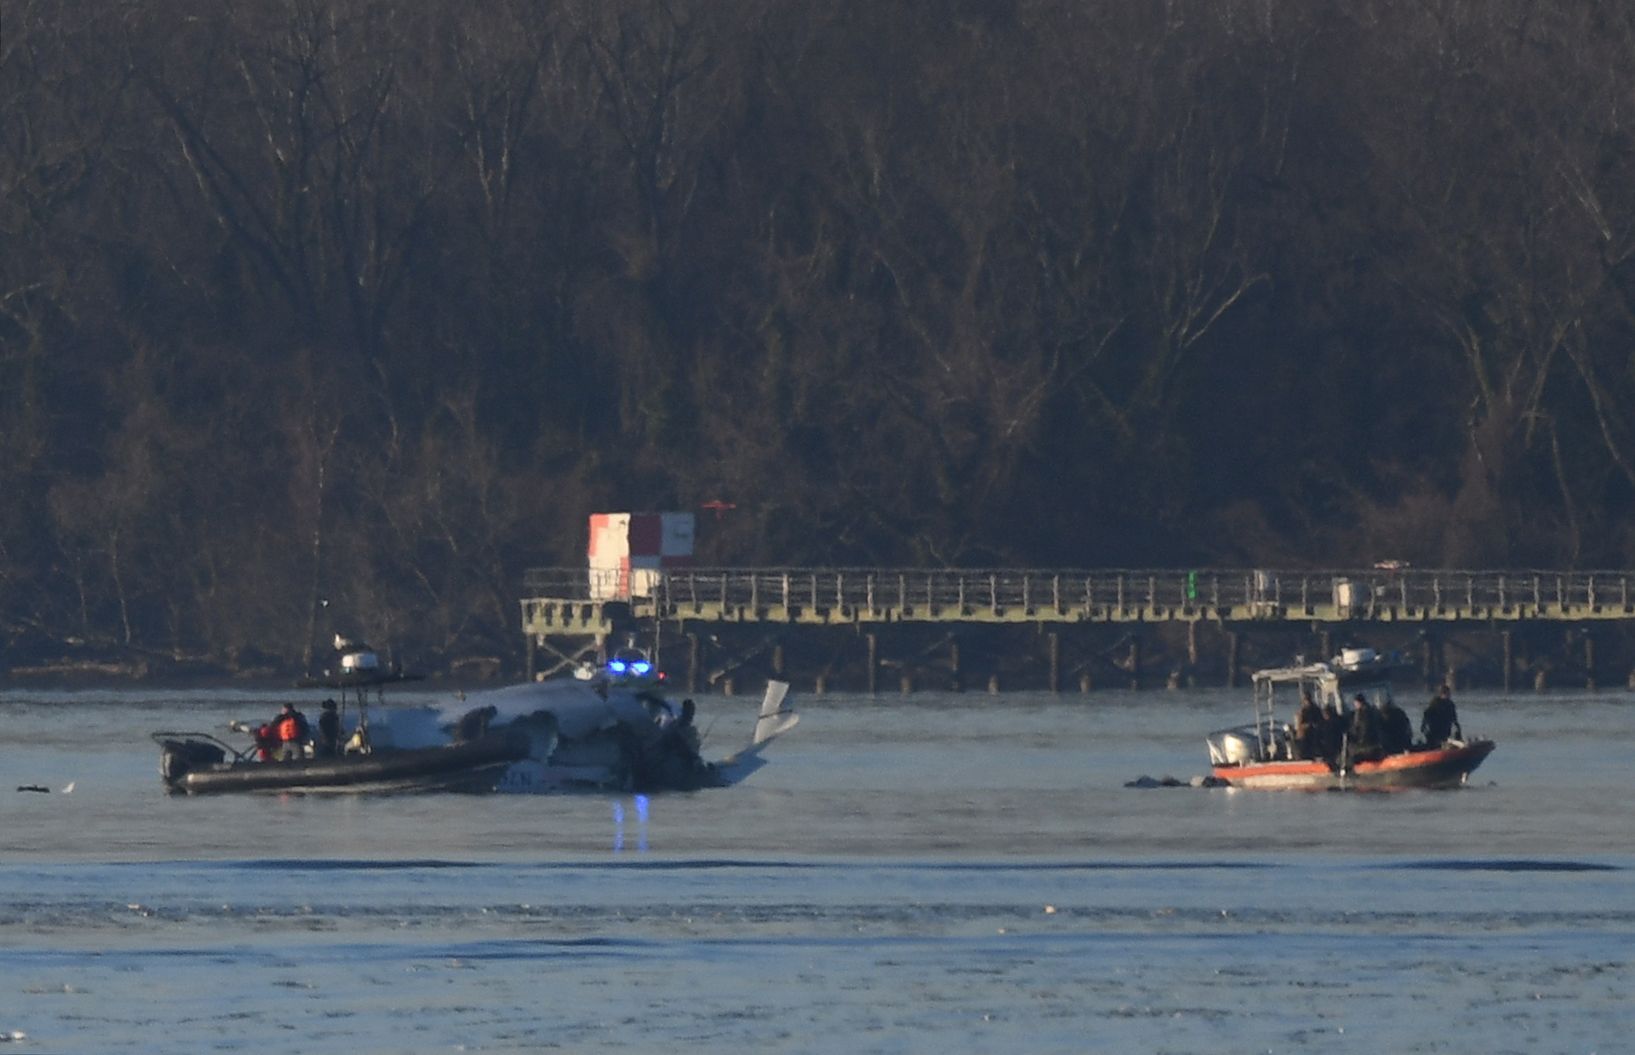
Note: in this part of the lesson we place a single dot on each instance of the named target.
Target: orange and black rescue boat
(1265, 754)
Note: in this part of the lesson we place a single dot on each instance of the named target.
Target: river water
(924, 874)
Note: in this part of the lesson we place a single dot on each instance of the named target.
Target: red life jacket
(288, 728)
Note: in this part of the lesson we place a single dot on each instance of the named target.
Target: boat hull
(1445, 767)
(476, 766)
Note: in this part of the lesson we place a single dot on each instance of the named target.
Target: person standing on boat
(1365, 730)
(1441, 719)
(293, 732)
(1334, 728)
(329, 731)
(1396, 728)
(1310, 729)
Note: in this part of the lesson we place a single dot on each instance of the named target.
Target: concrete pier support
(692, 663)
(957, 682)
(1135, 662)
(1509, 661)
(1231, 659)
(1053, 643)
(873, 646)
(1589, 660)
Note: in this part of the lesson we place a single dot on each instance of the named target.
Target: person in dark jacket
(1309, 730)
(329, 731)
(1441, 719)
(1334, 729)
(1396, 729)
(1365, 730)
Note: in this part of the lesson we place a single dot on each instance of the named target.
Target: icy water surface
(936, 874)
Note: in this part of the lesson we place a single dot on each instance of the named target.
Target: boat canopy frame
(1327, 682)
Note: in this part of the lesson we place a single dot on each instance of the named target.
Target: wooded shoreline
(353, 311)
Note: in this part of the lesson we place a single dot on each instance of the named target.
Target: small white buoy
(1050, 910)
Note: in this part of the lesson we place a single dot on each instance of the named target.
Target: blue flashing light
(641, 666)
(615, 666)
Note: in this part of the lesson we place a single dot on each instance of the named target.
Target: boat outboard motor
(181, 757)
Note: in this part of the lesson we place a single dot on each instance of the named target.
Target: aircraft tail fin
(773, 721)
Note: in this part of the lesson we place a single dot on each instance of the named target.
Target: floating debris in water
(34, 787)
(1170, 782)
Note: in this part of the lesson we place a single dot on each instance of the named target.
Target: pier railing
(560, 596)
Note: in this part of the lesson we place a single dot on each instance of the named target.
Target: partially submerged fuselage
(599, 734)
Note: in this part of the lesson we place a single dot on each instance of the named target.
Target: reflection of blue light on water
(618, 827)
(641, 823)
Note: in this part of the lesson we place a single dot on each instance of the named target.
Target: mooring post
(993, 684)
(1135, 662)
(1326, 644)
(1054, 643)
(528, 663)
(1589, 660)
(777, 661)
(1192, 645)
(873, 661)
(1231, 659)
(953, 667)
(821, 685)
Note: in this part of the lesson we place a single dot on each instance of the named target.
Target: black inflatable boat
(198, 763)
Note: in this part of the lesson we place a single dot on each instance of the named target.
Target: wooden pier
(572, 613)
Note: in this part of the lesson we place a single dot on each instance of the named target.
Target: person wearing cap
(1365, 730)
(1441, 719)
(329, 731)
